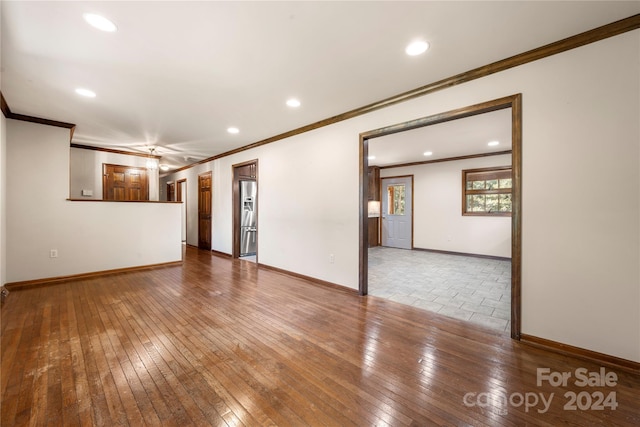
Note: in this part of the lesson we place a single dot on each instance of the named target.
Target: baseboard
(56, 280)
(499, 258)
(310, 279)
(221, 254)
(592, 356)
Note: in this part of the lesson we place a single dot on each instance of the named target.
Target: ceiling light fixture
(428, 153)
(85, 92)
(164, 168)
(371, 157)
(100, 22)
(233, 130)
(416, 48)
(493, 143)
(293, 103)
(152, 163)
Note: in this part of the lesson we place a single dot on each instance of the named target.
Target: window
(395, 199)
(487, 191)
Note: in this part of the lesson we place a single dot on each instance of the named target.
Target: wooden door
(171, 192)
(204, 211)
(124, 183)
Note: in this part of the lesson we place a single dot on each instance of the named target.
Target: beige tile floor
(469, 288)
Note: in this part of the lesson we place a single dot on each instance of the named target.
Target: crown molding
(111, 150)
(591, 36)
(31, 119)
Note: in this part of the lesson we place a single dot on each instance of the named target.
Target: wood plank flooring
(223, 342)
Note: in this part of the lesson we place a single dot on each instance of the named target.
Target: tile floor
(469, 288)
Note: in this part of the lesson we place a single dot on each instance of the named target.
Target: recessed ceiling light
(371, 157)
(428, 153)
(85, 92)
(233, 130)
(100, 22)
(416, 48)
(294, 103)
(493, 143)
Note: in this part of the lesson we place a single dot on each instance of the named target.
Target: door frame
(210, 230)
(236, 206)
(382, 178)
(515, 103)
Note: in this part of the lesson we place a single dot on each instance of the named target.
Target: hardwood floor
(222, 342)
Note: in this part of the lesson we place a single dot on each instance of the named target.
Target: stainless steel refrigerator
(248, 229)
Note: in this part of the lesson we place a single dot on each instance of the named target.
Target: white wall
(438, 220)
(581, 192)
(89, 236)
(86, 171)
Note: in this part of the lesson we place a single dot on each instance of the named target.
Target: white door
(397, 213)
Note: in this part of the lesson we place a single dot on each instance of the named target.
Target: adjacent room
(440, 218)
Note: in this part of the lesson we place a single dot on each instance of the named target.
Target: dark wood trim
(464, 192)
(235, 194)
(123, 201)
(60, 279)
(591, 36)
(309, 279)
(515, 103)
(110, 150)
(438, 251)
(220, 254)
(199, 195)
(363, 235)
(446, 159)
(581, 353)
(516, 216)
(31, 119)
(4, 106)
(41, 121)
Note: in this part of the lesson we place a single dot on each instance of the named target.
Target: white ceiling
(177, 74)
(461, 137)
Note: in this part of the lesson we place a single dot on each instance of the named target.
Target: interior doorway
(514, 104)
(245, 211)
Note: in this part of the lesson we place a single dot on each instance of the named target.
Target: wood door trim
(210, 231)
(515, 103)
(235, 195)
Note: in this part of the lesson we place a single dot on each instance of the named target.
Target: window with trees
(487, 191)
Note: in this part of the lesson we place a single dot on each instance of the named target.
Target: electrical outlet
(331, 258)
(53, 253)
